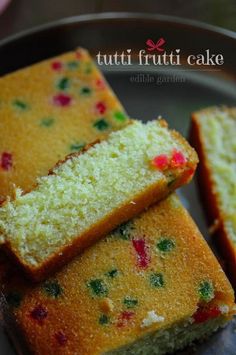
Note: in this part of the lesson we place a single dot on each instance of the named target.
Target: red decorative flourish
(155, 46)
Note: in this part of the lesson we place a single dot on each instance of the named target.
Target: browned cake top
(49, 110)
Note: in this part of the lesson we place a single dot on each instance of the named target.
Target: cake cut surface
(92, 192)
(213, 135)
(151, 286)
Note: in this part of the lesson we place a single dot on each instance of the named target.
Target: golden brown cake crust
(210, 197)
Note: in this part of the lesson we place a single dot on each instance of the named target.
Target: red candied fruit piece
(56, 65)
(187, 175)
(62, 100)
(141, 249)
(124, 317)
(160, 161)
(100, 84)
(202, 315)
(101, 107)
(178, 159)
(2, 200)
(39, 313)
(78, 54)
(6, 161)
(61, 338)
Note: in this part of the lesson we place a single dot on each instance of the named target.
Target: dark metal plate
(144, 98)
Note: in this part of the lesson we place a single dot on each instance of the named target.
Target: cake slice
(92, 192)
(49, 110)
(152, 286)
(213, 135)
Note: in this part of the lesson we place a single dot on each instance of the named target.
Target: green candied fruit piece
(98, 287)
(103, 319)
(76, 147)
(47, 122)
(156, 280)
(206, 291)
(120, 116)
(165, 245)
(85, 90)
(101, 124)
(14, 299)
(53, 289)
(124, 231)
(88, 68)
(112, 273)
(63, 83)
(73, 65)
(130, 302)
(21, 105)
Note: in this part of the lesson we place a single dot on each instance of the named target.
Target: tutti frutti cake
(137, 286)
(92, 192)
(213, 135)
(152, 286)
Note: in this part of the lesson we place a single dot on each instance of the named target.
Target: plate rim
(116, 16)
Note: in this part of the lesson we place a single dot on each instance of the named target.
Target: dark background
(24, 14)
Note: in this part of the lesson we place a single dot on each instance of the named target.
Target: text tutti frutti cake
(92, 192)
(213, 135)
(151, 287)
(49, 110)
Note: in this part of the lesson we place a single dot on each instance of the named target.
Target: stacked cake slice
(151, 286)
(213, 135)
(89, 194)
